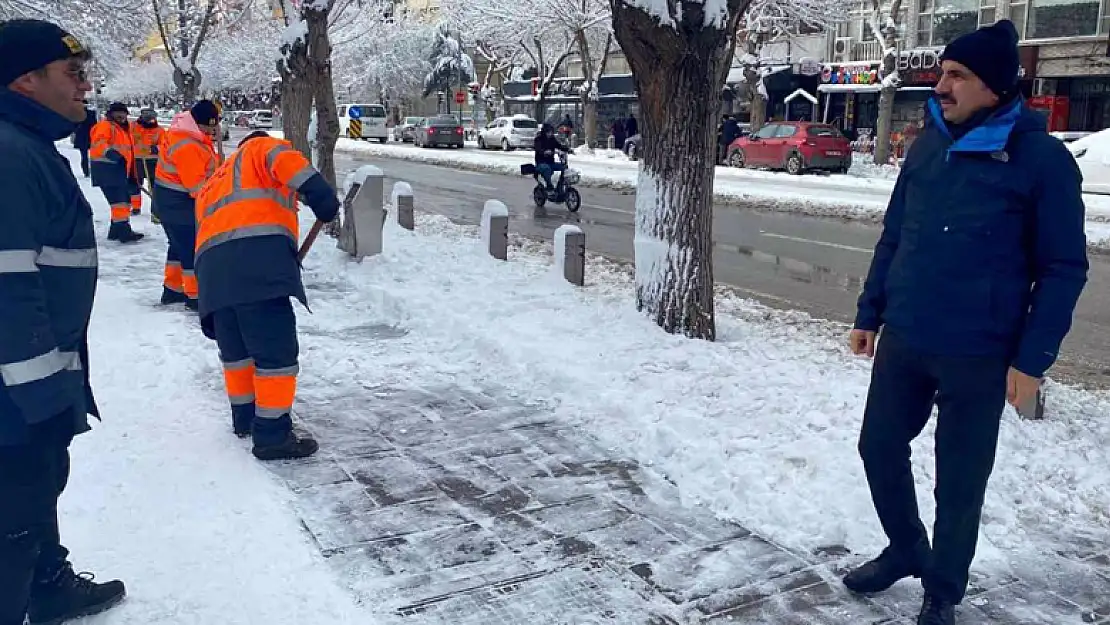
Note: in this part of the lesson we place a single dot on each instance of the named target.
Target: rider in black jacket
(546, 145)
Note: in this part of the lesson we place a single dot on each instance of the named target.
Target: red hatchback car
(793, 146)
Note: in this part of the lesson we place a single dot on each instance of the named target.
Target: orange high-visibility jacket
(186, 157)
(109, 139)
(145, 139)
(252, 194)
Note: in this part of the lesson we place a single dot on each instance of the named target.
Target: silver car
(509, 133)
(405, 131)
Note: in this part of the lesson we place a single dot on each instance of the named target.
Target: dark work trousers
(182, 240)
(258, 348)
(84, 161)
(970, 394)
(143, 167)
(32, 476)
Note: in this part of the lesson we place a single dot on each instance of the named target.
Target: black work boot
(292, 447)
(936, 610)
(122, 232)
(170, 296)
(192, 304)
(71, 595)
(881, 573)
(242, 417)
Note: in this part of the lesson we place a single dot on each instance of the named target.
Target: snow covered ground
(760, 427)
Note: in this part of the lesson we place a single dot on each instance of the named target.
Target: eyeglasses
(77, 73)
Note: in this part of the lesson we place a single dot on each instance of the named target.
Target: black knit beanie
(27, 45)
(205, 113)
(991, 53)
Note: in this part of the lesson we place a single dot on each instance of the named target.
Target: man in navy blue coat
(48, 272)
(973, 282)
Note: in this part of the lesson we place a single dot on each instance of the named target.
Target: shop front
(616, 100)
(1071, 81)
(850, 95)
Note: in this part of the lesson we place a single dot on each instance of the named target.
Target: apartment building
(1065, 67)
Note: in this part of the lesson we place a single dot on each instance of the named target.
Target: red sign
(1055, 109)
(460, 97)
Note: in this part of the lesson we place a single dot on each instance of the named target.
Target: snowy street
(500, 447)
(787, 260)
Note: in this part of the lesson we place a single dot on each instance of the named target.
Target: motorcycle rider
(546, 144)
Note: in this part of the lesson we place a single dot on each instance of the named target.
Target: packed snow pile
(1092, 153)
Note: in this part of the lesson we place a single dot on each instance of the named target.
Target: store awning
(872, 88)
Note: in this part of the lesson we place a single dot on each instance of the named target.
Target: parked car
(509, 133)
(403, 132)
(225, 128)
(1092, 154)
(261, 120)
(793, 146)
(631, 147)
(371, 118)
(437, 131)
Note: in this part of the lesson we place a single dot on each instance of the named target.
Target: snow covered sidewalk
(499, 447)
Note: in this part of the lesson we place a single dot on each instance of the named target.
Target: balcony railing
(867, 51)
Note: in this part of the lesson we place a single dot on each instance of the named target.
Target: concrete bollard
(1034, 408)
(363, 213)
(495, 229)
(570, 253)
(612, 142)
(402, 204)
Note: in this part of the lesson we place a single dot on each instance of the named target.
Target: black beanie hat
(205, 113)
(117, 107)
(27, 45)
(991, 53)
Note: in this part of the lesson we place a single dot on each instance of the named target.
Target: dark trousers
(32, 477)
(144, 170)
(84, 161)
(970, 394)
(181, 251)
(258, 349)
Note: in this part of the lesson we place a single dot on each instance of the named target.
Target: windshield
(525, 123)
(412, 120)
(375, 110)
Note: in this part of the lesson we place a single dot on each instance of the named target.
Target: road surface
(784, 260)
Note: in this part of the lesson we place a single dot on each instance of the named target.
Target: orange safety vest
(185, 162)
(252, 194)
(144, 139)
(106, 136)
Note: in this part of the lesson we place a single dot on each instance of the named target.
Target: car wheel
(539, 195)
(505, 145)
(736, 158)
(794, 164)
(481, 143)
(574, 201)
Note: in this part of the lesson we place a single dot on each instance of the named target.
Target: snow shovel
(153, 216)
(309, 240)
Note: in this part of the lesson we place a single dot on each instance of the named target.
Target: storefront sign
(809, 67)
(850, 74)
(919, 67)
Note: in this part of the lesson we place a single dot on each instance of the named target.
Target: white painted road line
(484, 187)
(610, 209)
(784, 237)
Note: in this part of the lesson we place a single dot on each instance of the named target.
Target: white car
(1092, 154)
(261, 120)
(371, 118)
(509, 133)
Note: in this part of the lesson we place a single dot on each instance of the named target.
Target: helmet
(547, 129)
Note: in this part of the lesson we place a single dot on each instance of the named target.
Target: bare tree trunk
(758, 109)
(889, 35)
(589, 98)
(296, 96)
(678, 72)
(327, 118)
(757, 104)
(882, 127)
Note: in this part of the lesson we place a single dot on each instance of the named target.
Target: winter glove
(154, 150)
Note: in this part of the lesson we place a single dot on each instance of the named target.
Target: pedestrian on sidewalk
(974, 281)
(146, 134)
(113, 170)
(47, 277)
(247, 269)
(81, 140)
(186, 160)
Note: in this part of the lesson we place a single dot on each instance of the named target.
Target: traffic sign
(354, 112)
(460, 97)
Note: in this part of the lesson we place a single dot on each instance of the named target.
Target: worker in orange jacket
(113, 170)
(146, 134)
(247, 269)
(186, 160)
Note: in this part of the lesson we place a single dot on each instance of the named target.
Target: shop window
(1048, 19)
(987, 12)
(1018, 11)
(937, 25)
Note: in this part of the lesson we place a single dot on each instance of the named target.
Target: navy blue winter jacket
(983, 250)
(47, 274)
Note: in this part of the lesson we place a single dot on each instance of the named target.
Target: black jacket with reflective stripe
(47, 274)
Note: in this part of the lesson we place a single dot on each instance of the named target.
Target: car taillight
(458, 131)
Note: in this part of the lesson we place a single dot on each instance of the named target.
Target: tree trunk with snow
(753, 76)
(327, 117)
(296, 97)
(591, 74)
(887, 33)
(679, 66)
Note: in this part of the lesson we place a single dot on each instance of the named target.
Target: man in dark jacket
(974, 281)
(47, 277)
(545, 145)
(81, 139)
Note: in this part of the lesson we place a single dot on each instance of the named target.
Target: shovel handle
(309, 240)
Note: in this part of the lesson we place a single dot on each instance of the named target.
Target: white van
(371, 118)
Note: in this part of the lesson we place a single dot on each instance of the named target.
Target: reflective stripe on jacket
(186, 160)
(145, 139)
(112, 154)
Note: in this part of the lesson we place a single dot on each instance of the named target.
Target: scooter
(564, 192)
